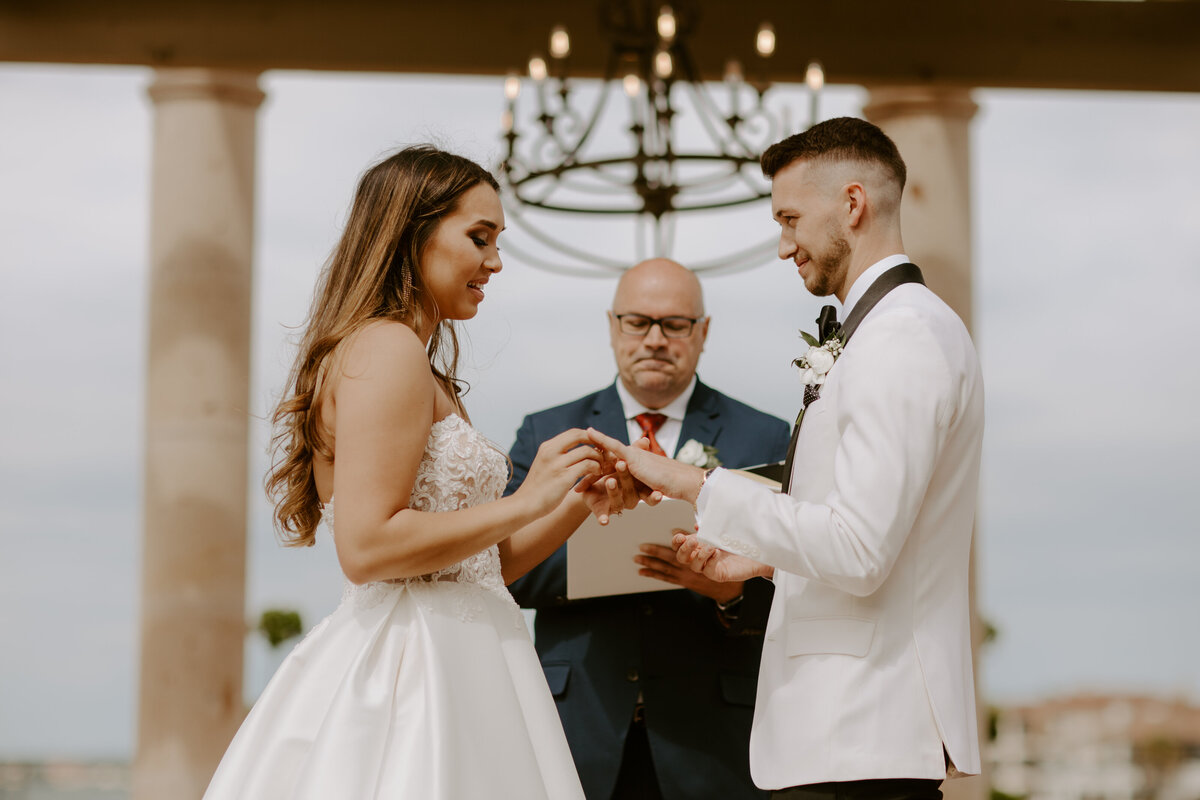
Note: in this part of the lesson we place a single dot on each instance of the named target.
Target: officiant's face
(654, 368)
(806, 204)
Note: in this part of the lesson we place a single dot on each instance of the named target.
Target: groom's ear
(856, 203)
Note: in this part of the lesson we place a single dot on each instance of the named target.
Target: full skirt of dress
(416, 689)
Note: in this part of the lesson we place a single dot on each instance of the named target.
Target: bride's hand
(656, 473)
(560, 463)
(615, 489)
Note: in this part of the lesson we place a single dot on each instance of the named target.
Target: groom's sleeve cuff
(702, 499)
(720, 484)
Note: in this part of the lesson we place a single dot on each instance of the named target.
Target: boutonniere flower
(815, 364)
(698, 455)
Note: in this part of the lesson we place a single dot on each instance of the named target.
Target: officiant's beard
(827, 269)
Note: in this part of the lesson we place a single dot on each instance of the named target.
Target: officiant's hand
(659, 562)
(672, 478)
(714, 563)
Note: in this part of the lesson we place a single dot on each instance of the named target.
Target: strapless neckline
(328, 504)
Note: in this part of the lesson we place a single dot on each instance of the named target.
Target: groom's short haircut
(837, 139)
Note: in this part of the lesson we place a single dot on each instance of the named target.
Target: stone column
(197, 426)
(931, 128)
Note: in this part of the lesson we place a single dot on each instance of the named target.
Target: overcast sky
(1087, 272)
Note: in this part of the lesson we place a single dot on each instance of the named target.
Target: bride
(423, 683)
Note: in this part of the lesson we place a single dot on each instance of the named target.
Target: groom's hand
(614, 489)
(659, 562)
(670, 477)
(718, 565)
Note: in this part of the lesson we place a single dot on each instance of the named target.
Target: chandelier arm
(607, 184)
(749, 183)
(740, 201)
(596, 271)
(569, 152)
(612, 185)
(709, 111)
(639, 249)
(670, 222)
(658, 137)
(716, 182)
(604, 162)
(753, 256)
(547, 148)
(562, 247)
(565, 209)
(550, 139)
(771, 122)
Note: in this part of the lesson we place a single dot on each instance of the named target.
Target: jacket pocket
(849, 636)
(738, 690)
(557, 675)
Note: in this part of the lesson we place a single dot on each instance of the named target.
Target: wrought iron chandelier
(686, 146)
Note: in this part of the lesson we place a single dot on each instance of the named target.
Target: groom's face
(806, 205)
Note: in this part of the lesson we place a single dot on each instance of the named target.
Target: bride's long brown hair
(373, 274)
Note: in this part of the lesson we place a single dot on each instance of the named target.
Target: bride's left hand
(615, 489)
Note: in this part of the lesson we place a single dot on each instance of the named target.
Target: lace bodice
(460, 468)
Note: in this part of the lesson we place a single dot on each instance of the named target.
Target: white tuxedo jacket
(866, 669)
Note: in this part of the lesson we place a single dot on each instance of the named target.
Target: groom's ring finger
(615, 497)
(628, 487)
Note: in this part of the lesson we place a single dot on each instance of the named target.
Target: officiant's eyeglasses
(671, 327)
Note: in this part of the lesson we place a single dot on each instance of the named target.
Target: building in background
(65, 780)
(1097, 747)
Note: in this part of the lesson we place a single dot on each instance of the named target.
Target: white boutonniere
(815, 364)
(698, 455)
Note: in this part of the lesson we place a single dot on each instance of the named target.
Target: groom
(866, 688)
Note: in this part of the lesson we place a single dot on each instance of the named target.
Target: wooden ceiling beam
(1061, 44)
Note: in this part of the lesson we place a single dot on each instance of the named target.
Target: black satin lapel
(785, 482)
(896, 276)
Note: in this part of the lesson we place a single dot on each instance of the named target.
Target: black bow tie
(827, 323)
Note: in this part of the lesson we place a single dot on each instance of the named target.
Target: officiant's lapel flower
(698, 455)
(815, 364)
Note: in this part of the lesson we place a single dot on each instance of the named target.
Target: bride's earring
(406, 280)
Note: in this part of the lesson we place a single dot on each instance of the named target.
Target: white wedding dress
(421, 688)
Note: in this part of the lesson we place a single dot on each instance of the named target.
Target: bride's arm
(535, 542)
(383, 397)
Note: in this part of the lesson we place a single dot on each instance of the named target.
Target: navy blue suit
(697, 676)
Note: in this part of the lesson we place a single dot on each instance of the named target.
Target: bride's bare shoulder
(383, 345)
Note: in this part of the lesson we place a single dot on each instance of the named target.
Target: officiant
(655, 690)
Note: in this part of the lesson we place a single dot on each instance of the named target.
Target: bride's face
(463, 254)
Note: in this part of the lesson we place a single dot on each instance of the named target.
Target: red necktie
(651, 423)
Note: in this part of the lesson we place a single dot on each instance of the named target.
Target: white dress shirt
(668, 435)
(857, 290)
(864, 281)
